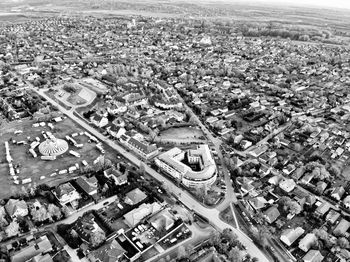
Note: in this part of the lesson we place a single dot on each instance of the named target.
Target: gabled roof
(41, 258)
(342, 227)
(116, 175)
(289, 236)
(87, 184)
(272, 214)
(287, 185)
(323, 208)
(162, 219)
(35, 248)
(64, 189)
(13, 205)
(332, 216)
(307, 241)
(142, 146)
(313, 256)
(258, 202)
(135, 216)
(110, 252)
(136, 196)
(85, 226)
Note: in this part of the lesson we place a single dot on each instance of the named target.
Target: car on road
(106, 203)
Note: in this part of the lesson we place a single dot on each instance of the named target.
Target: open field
(75, 98)
(338, 19)
(35, 167)
(181, 135)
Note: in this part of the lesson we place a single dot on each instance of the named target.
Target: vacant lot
(34, 168)
(74, 98)
(181, 135)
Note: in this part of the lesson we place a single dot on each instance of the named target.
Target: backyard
(34, 168)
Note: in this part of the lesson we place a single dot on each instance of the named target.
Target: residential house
(16, 208)
(342, 227)
(264, 170)
(271, 214)
(117, 176)
(41, 258)
(307, 178)
(3, 221)
(99, 120)
(116, 131)
(179, 117)
(258, 151)
(117, 108)
(289, 169)
(112, 251)
(119, 122)
(313, 256)
(162, 220)
(135, 99)
(310, 200)
(275, 180)
(346, 201)
(322, 209)
(299, 172)
(135, 196)
(247, 188)
(300, 196)
(321, 186)
(290, 235)
(306, 243)
(284, 142)
(245, 144)
(258, 202)
(88, 185)
(338, 192)
(287, 185)
(211, 120)
(67, 194)
(332, 216)
(85, 226)
(133, 113)
(136, 215)
(36, 247)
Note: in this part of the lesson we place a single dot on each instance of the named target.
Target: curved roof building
(53, 147)
(177, 163)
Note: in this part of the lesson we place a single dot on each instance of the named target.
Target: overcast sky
(321, 3)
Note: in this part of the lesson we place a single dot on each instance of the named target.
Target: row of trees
(227, 243)
(294, 33)
(326, 240)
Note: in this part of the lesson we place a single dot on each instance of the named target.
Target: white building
(174, 163)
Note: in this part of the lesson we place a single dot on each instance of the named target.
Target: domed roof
(53, 147)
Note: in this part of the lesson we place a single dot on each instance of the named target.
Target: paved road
(183, 196)
(230, 194)
(199, 235)
(79, 213)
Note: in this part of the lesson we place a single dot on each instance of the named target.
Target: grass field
(181, 135)
(35, 167)
(75, 98)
